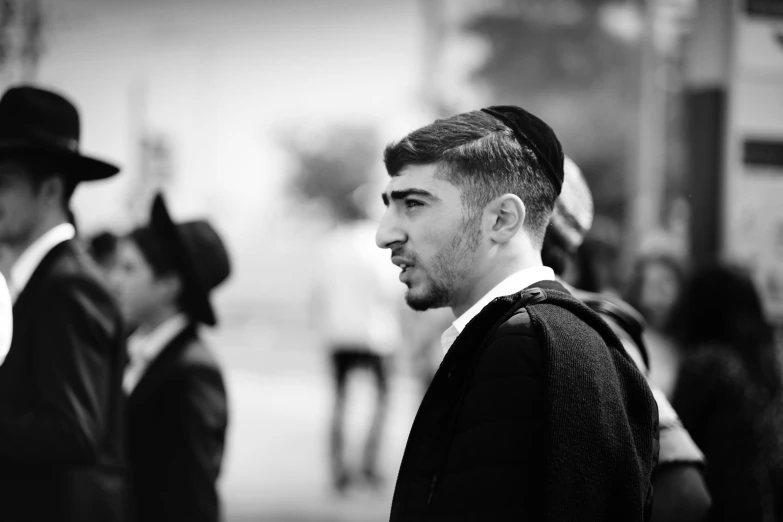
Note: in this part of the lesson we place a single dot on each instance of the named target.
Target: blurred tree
(330, 166)
(575, 64)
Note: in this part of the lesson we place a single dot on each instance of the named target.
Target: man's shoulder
(70, 278)
(70, 267)
(517, 324)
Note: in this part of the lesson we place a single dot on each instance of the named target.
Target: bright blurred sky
(221, 79)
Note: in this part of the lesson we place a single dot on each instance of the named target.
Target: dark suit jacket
(176, 427)
(61, 400)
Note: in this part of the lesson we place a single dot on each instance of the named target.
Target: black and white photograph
(391, 260)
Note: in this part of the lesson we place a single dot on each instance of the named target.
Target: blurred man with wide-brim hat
(177, 413)
(61, 455)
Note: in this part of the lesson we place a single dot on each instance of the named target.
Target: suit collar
(27, 263)
(44, 267)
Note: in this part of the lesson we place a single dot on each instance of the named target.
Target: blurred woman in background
(728, 392)
(654, 288)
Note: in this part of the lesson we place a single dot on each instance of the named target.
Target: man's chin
(422, 302)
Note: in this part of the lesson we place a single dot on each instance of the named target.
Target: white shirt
(514, 283)
(25, 265)
(143, 348)
(6, 319)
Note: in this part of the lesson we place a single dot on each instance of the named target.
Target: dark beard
(437, 296)
(440, 292)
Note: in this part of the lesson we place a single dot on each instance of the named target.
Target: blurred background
(264, 116)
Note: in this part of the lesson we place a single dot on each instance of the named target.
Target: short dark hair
(480, 155)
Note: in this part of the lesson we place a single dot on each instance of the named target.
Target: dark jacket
(728, 415)
(61, 399)
(531, 416)
(176, 427)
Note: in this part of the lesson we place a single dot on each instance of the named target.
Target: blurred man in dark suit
(177, 406)
(61, 383)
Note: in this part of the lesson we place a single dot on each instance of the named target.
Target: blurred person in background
(535, 412)
(103, 249)
(654, 287)
(728, 392)
(177, 412)
(680, 491)
(356, 306)
(61, 404)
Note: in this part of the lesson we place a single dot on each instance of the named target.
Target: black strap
(624, 319)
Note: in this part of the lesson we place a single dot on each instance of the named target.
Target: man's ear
(506, 216)
(52, 189)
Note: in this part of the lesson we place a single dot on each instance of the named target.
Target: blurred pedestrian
(535, 412)
(103, 249)
(680, 490)
(61, 400)
(728, 392)
(356, 314)
(655, 285)
(177, 411)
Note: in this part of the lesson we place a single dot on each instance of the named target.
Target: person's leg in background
(379, 367)
(341, 361)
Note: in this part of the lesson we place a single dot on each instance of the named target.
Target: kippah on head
(573, 213)
(531, 132)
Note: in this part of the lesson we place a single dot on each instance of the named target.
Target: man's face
(20, 203)
(430, 237)
(133, 282)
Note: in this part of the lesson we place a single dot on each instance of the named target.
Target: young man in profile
(537, 412)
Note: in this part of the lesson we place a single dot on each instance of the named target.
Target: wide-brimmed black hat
(42, 123)
(200, 256)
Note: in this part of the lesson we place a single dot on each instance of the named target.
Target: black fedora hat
(200, 256)
(43, 123)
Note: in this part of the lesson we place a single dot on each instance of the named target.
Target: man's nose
(389, 231)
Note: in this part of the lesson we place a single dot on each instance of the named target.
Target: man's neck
(490, 280)
(17, 249)
(158, 318)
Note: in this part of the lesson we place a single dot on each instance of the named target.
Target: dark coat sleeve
(200, 428)
(72, 356)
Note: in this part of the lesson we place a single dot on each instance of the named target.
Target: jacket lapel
(43, 270)
(160, 368)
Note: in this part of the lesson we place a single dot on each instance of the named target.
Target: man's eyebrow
(398, 195)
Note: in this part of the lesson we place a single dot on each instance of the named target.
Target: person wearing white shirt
(536, 412)
(61, 404)
(177, 408)
(356, 313)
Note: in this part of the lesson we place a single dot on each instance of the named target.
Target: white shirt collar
(6, 320)
(143, 348)
(26, 264)
(514, 283)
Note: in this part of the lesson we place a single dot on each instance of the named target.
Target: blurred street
(276, 467)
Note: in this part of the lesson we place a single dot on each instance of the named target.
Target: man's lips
(402, 262)
(405, 264)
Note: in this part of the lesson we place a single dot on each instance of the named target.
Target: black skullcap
(531, 132)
